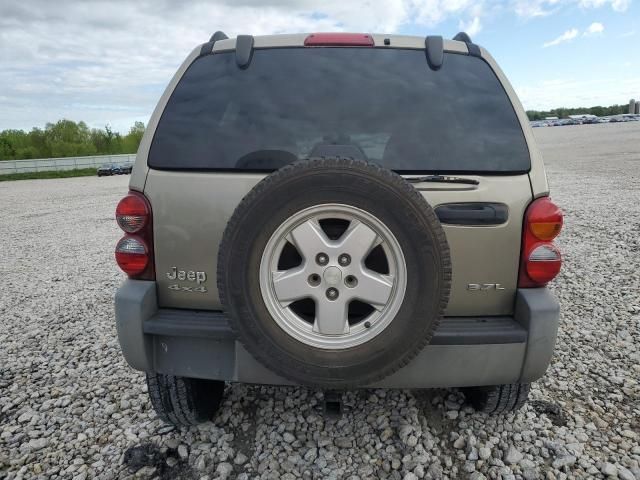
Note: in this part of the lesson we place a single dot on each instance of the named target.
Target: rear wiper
(442, 179)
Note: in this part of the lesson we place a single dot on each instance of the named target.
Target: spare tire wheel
(334, 272)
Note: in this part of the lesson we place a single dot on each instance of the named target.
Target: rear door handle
(473, 213)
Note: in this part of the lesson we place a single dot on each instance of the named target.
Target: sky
(108, 62)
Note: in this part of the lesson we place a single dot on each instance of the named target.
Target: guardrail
(65, 163)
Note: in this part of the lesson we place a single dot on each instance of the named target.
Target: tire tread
(498, 399)
(184, 401)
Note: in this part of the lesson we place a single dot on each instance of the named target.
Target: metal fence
(67, 163)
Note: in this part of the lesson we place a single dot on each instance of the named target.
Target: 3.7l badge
(485, 286)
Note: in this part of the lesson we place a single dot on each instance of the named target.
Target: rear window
(385, 105)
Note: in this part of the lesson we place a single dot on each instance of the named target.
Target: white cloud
(541, 8)
(432, 12)
(583, 91)
(594, 29)
(535, 8)
(565, 37)
(620, 5)
(472, 27)
(616, 5)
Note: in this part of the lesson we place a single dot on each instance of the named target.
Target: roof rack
(473, 49)
(434, 48)
(244, 50)
(208, 47)
(219, 35)
(463, 37)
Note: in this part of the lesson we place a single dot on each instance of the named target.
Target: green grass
(81, 172)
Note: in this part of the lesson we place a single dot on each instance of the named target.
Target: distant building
(633, 106)
(551, 118)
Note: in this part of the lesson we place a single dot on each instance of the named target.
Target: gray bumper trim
(135, 302)
(189, 323)
(538, 311)
(465, 351)
(451, 331)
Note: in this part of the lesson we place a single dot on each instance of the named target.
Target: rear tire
(184, 401)
(498, 399)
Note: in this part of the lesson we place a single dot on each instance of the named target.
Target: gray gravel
(71, 408)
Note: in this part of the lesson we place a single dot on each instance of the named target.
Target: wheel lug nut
(314, 279)
(350, 281)
(344, 259)
(332, 293)
(322, 259)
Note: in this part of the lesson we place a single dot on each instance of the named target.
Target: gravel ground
(71, 408)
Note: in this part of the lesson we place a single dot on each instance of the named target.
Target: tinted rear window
(385, 104)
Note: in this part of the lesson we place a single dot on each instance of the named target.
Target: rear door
(224, 128)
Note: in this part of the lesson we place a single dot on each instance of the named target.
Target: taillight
(543, 263)
(544, 218)
(134, 251)
(132, 255)
(541, 260)
(132, 212)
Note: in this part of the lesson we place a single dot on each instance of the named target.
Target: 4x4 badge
(182, 288)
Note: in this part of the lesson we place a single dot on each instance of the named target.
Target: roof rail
(434, 48)
(244, 50)
(463, 37)
(208, 47)
(473, 49)
(219, 35)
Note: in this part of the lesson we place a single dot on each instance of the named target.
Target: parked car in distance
(115, 169)
(584, 120)
(108, 169)
(126, 168)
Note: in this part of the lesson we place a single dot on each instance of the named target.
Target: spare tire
(334, 273)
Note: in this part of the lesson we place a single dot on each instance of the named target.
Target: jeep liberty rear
(337, 211)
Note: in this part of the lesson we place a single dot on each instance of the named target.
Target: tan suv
(339, 211)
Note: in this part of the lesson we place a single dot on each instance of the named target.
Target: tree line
(67, 138)
(565, 112)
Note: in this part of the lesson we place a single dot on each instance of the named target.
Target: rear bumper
(465, 351)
